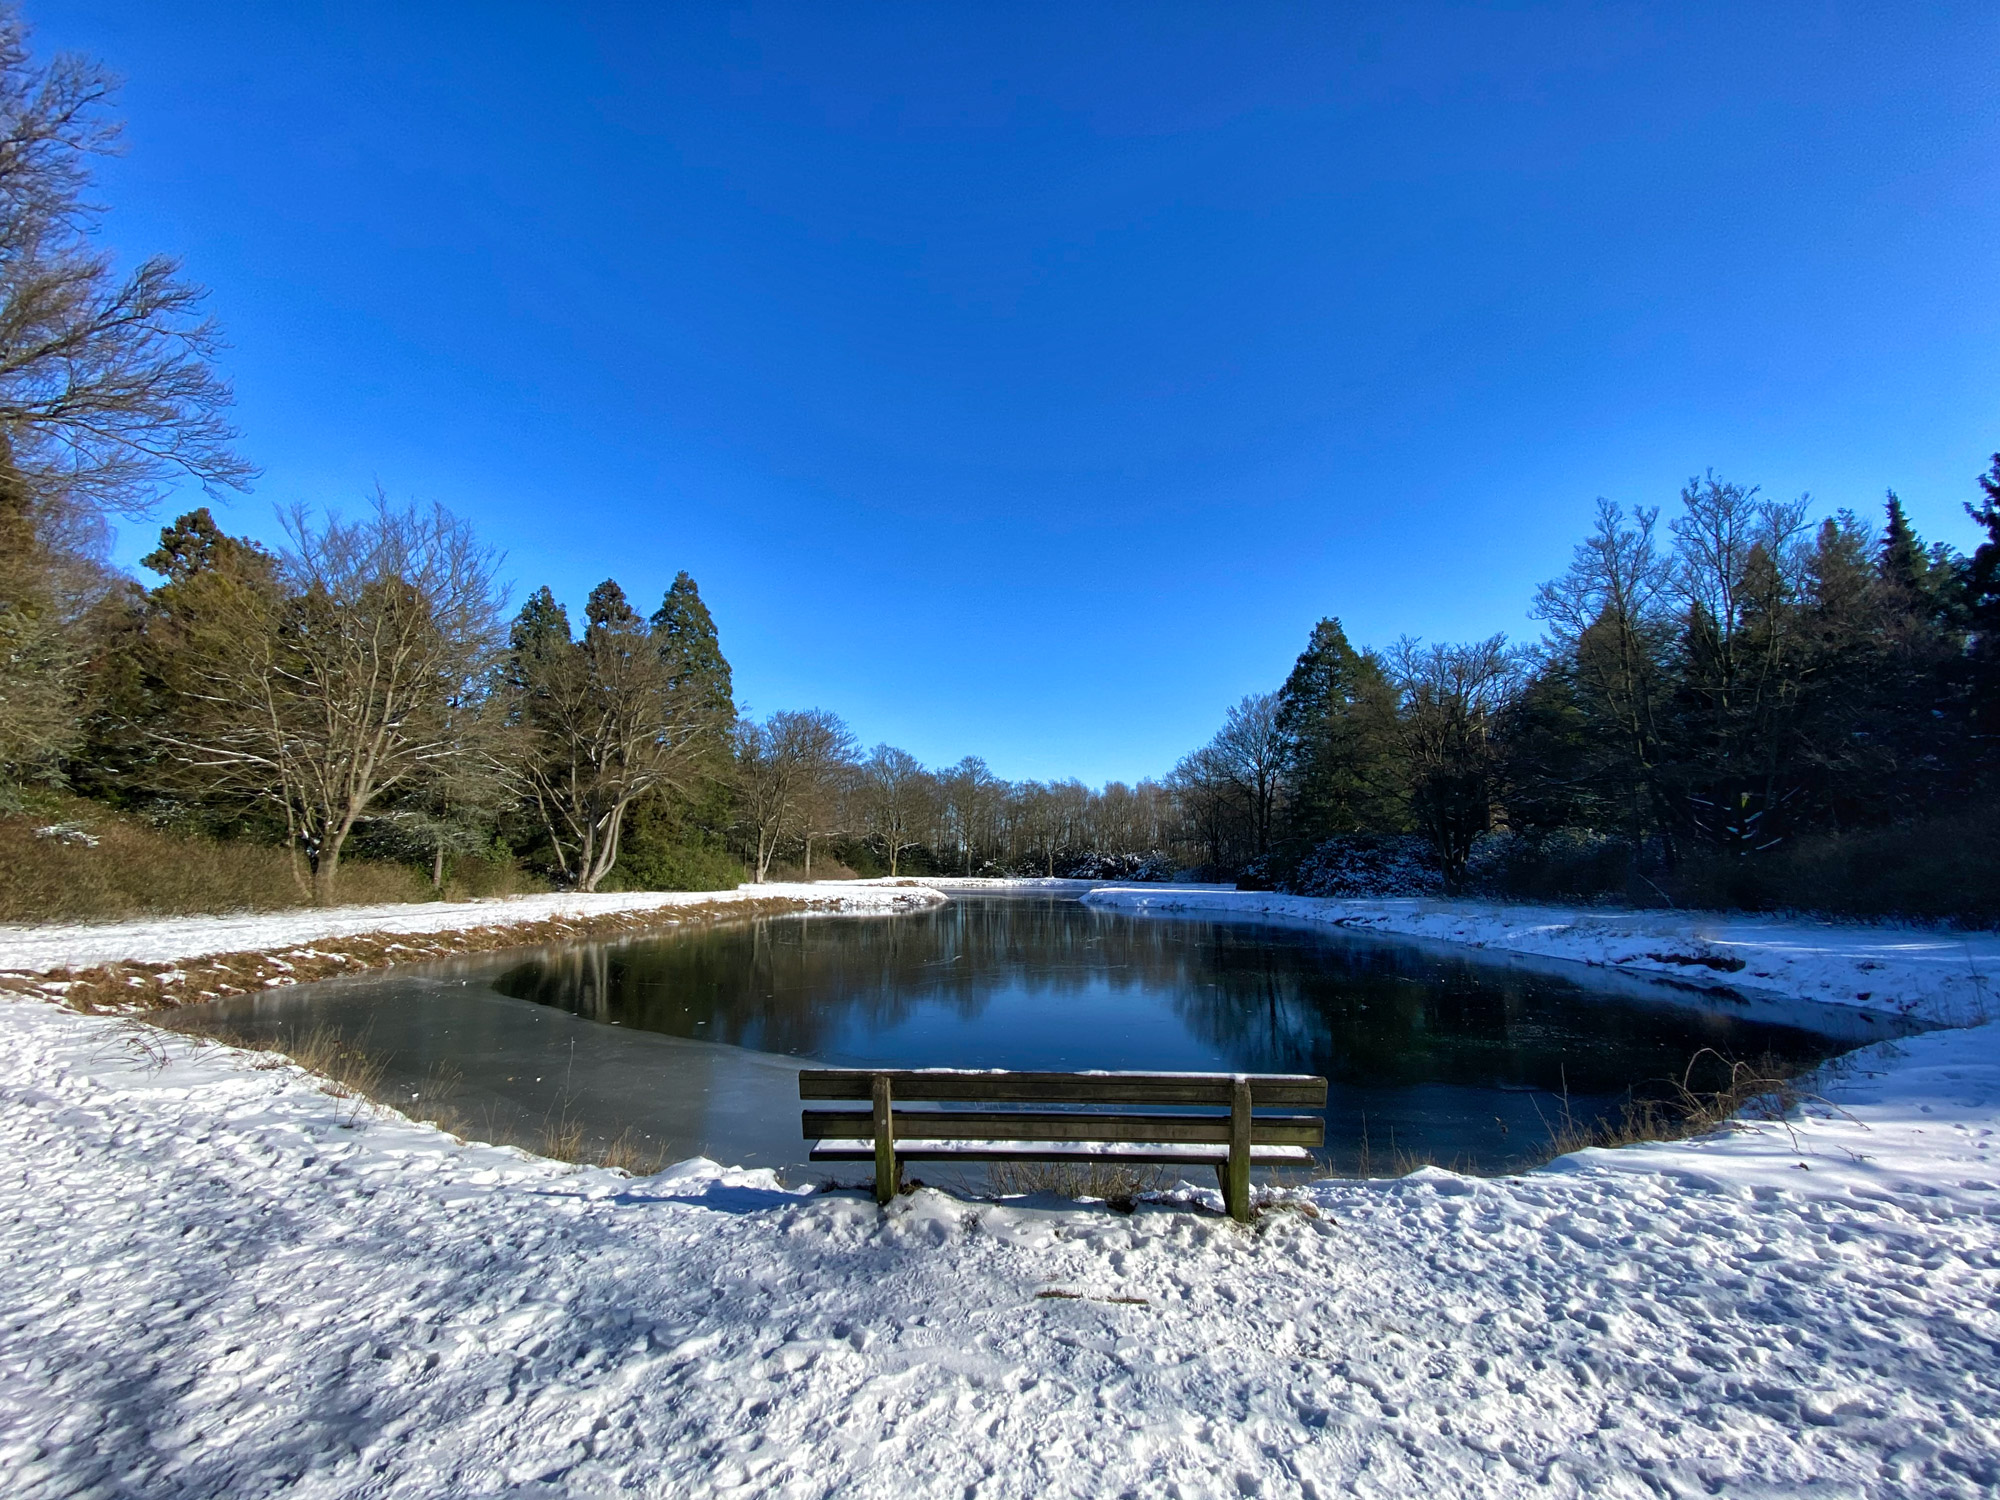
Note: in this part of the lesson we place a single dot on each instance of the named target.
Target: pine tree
(1982, 577)
(540, 629)
(1981, 602)
(1336, 712)
(697, 672)
(608, 608)
(1903, 560)
(195, 544)
(608, 734)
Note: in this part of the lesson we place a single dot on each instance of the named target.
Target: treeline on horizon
(1736, 708)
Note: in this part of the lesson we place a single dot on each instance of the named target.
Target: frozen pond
(688, 1044)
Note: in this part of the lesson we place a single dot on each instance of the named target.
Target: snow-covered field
(77, 945)
(215, 1279)
(1943, 977)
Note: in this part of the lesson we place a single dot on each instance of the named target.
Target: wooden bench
(1081, 1128)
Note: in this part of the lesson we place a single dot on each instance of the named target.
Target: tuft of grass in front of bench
(1068, 1119)
(1118, 1185)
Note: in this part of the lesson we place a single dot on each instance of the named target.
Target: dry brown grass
(72, 860)
(564, 1139)
(1760, 1090)
(101, 866)
(348, 1069)
(1119, 1184)
(822, 869)
(626, 1155)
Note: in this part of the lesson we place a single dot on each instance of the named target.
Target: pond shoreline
(1934, 976)
(164, 962)
(187, 1210)
(1148, 992)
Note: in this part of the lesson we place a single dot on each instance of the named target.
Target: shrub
(1937, 869)
(661, 866)
(1367, 864)
(63, 859)
(1564, 864)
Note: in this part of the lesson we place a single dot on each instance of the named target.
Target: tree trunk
(437, 869)
(326, 873)
(610, 830)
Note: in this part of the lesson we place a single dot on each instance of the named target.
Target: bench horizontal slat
(1164, 1154)
(952, 1085)
(1028, 1125)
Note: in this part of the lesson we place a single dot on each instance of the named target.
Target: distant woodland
(1731, 704)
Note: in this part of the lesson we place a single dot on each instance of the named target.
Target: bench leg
(886, 1175)
(1236, 1174)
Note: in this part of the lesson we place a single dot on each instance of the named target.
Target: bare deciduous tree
(1451, 697)
(972, 796)
(1251, 749)
(106, 388)
(787, 765)
(894, 788)
(341, 686)
(1739, 571)
(1611, 615)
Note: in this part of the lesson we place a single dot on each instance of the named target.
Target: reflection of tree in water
(1387, 1016)
(1258, 998)
(788, 984)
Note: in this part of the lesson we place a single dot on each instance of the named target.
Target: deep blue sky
(1024, 381)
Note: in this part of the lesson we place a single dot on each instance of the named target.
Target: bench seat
(1179, 1153)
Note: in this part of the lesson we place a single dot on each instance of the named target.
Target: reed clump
(349, 1069)
(1120, 1185)
(1760, 1090)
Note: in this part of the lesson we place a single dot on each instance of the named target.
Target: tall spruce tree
(1337, 713)
(678, 832)
(1903, 560)
(540, 633)
(1982, 575)
(1981, 605)
(697, 672)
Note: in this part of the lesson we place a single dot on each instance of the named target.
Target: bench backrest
(970, 1086)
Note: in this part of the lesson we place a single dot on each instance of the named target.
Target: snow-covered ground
(216, 1279)
(220, 1281)
(77, 945)
(1934, 975)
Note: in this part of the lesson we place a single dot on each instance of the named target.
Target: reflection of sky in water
(1430, 1052)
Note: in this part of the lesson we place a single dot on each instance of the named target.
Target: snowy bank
(223, 1279)
(1940, 977)
(165, 940)
(220, 1280)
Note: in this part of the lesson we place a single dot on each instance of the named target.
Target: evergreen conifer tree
(540, 626)
(1981, 595)
(195, 544)
(697, 671)
(608, 608)
(1337, 713)
(1903, 561)
(1982, 576)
